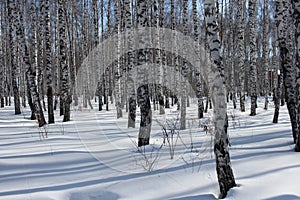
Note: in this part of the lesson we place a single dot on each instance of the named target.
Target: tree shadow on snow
(197, 197)
(96, 181)
(94, 195)
(284, 197)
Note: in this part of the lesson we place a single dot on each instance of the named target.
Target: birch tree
(253, 56)
(65, 81)
(95, 22)
(130, 68)
(223, 166)
(265, 55)
(2, 62)
(296, 16)
(143, 96)
(198, 77)
(30, 71)
(174, 59)
(230, 55)
(6, 54)
(286, 60)
(13, 24)
(84, 49)
(96, 42)
(158, 57)
(166, 71)
(277, 89)
(117, 71)
(241, 52)
(48, 61)
(107, 72)
(165, 78)
(41, 53)
(184, 70)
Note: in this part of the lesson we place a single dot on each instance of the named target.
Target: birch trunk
(158, 59)
(2, 59)
(164, 78)
(63, 66)
(117, 71)
(253, 55)
(184, 71)
(30, 72)
(143, 96)
(277, 88)
(286, 48)
(198, 75)
(13, 24)
(231, 53)
(48, 61)
(265, 50)
(296, 9)
(96, 42)
(40, 36)
(130, 69)
(107, 72)
(241, 52)
(223, 166)
(174, 59)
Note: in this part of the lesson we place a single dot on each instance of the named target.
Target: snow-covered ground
(95, 157)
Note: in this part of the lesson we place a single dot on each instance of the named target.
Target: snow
(95, 157)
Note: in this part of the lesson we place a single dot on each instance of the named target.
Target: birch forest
(246, 50)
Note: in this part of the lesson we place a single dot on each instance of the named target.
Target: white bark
(241, 52)
(130, 69)
(63, 65)
(2, 63)
(286, 50)
(30, 72)
(46, 13)
(117, 71)
(143, 88)
(223, 165)
(296, 9)
(253, 56)
(13, 24)
(266, 50)
(184, 72)
(198, 72)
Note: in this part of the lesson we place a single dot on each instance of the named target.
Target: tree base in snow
(143, 142)
(225, 174)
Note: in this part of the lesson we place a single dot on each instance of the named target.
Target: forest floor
(95, 156)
